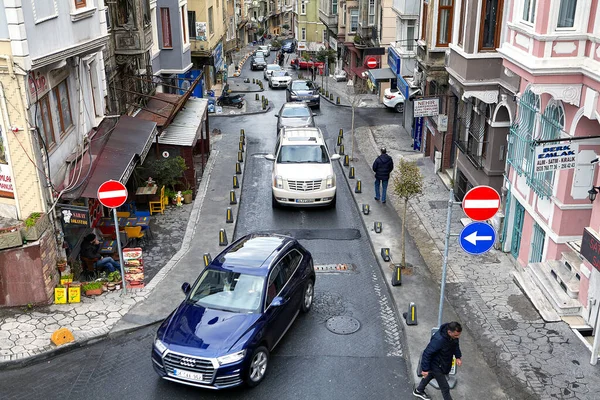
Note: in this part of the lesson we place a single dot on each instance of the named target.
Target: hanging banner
(6, 179)
(553, 157)
(426, 107)
(417, 133)
(74, 215)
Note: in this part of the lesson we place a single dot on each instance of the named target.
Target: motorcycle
(226, 100)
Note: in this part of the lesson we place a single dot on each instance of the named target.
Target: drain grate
(335, 268)
(343, 325)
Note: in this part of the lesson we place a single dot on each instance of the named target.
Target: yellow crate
(60, 295)
(74, 294)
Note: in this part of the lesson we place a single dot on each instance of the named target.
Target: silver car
(265, 49)
(295, 115)
(270, 69)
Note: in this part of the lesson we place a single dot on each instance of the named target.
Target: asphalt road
(311, 362)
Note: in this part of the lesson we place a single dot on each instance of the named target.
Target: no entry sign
(481, 203)
(372, 62)
(112, 194)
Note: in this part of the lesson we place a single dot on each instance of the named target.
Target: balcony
(470, 149)
(200, 48)
(471, 139)
(329, 20)
(132, 41)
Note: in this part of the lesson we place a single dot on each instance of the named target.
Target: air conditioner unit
(417, 76)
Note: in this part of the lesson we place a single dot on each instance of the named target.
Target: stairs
(559, 282)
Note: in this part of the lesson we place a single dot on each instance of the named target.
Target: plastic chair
(123, 214)
(145, 229)
(134, 232)
(158, 205)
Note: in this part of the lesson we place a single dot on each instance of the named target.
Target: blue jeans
(384, 184)
(108, 264)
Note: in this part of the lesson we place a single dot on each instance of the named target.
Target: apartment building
(210, 21)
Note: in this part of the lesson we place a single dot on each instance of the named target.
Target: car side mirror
(335, 157)
(278, 301)
(270, 157)
(185, 287)
(276, 115)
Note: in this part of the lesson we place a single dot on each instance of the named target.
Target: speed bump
(62, 336)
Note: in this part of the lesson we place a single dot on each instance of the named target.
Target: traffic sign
(372, 62)
(477, 238)
(481, 203)
(112, 194)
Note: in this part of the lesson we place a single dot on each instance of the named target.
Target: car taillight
(389, 96)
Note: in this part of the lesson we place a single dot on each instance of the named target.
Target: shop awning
(358, 71)
(183, 131)
(127, 145)
(381, 74)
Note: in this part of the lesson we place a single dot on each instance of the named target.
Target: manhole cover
(343, 325)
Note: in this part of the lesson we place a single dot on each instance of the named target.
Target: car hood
(282, 78)
(205, 332)
(307, 172)
(295, 122)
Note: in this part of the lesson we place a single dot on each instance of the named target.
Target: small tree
(408, 183)
(166, 171)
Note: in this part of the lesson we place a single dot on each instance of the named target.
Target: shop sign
(38, 85)
(333, 43)
(6, 181)
(201, 31)
(553, 157)
(417, 133)
(301, 45)
(442, 123)
(218, 56)
(590, 248)
(74, 215)
(427, 107)
(393, 61)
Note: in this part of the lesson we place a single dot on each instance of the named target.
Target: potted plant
(61, 264)
(66, 279)
(35, 225)
(187, 196)
(114, 276)
(10, 236)
(92, 288)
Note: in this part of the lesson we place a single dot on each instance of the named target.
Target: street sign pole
(451, 203)
(118, 236)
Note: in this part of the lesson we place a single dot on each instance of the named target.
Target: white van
(302, 171)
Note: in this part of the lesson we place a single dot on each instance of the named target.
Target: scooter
(226, 100)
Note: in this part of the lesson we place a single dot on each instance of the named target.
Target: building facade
(210, 20)
(311, 33)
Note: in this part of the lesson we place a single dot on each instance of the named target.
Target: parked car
(258, 53)
(340, 76)
(266, 50)
(235, 314)
(258, 63)
(279, 79)
(304, 91)
(304, 64)
(392, 98)
(288, 45)
(270, 69)
(293, 115)
(302, 171)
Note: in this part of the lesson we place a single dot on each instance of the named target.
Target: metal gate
(517, 229)
(537, 246)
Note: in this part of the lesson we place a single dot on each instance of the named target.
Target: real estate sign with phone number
(553, 157)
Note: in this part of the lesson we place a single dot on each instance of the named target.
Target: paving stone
(27, 327)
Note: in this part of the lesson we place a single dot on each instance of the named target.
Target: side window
(276, 282)
(277, 144)
(290, 262)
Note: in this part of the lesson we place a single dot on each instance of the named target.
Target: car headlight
(160, 346)
(231, 358)
(330, 181)
(278, 182)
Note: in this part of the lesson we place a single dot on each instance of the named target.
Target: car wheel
(258, 366)
(274, 203)
(240, 105)
(399, 107)
(332, 204)
(309, 295)
(270, 86)
(219, 102)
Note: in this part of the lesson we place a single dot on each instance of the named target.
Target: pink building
(553, 47)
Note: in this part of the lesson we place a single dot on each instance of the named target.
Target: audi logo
(188, 362)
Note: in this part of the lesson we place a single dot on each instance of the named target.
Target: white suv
(302, 170)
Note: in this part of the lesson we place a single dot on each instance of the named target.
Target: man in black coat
(436, 361)
(90, 249)
(382, 167)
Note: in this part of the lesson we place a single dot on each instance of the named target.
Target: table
(108, 247)
(146, 190)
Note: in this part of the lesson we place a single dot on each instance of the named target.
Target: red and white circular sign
(112, 194)
(371, 62)
(481, 203)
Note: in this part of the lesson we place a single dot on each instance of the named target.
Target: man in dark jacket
(89, 249)
(382, 167)
(436, 361)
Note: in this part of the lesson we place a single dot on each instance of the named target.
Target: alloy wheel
(309, 294)
(258, 367)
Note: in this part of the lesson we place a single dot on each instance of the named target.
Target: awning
(127, 145)
(358, 71)
(381, 74)
(184, 129)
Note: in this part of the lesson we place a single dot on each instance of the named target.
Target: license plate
(304, 201)
(307, 101)
(187, 374)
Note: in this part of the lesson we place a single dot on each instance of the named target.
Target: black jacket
(89, 250)
(438, 353)
(382, 166)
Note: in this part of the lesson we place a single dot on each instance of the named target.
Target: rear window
(295, 112)
(291, 154)
(273, 68)
(302, 85)
(259, 59)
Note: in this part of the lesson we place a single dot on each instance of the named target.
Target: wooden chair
(158, 206)
(134, 232)
(123, 214)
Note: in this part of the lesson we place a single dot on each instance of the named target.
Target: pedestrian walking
(382, 167)
(436, 361)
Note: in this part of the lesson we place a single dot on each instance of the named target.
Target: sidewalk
(346, 94)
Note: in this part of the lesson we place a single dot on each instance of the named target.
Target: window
(491, 25)
(63, 104)
(529, 10)
(461, 25)
(303, 34)
(146, 14)
(44, 121)
(566, 13)
(183, 24)
(411, 25)
(192, 24)
(371, 12)
(324, 36)
(444, 34)
(344, 19)
(353, 20)
(210, 21)
(424, 22)
(80, 3)
(334, 7)
(275, 284)
(551, 125)
(303, 8)
(289, 263)
(108, 18)
(166, 28)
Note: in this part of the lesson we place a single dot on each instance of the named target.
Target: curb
(247, 91)
(248, 113)
(333, 102)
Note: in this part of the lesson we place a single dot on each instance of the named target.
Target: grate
(335, 268)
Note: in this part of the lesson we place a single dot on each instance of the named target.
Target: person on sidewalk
(90, 249)
(382, 167)
(436, 361)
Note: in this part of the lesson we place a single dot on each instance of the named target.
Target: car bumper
(222, 377)
(279, 83)
(391, 103)
(311, 102)
(258, 67)
(304, 199)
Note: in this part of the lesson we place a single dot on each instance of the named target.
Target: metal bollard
(351, 173)
(229, 216)
(223, 238)
(232, 199)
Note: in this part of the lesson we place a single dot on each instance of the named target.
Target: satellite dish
(185, 85)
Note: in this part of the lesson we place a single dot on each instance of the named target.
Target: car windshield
(294, 112)
(303, 154)
(229, 291)
(259, 59)
(302, 85)
(273, 68)
(280, 73)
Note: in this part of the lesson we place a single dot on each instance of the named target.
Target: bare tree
(408, 183)
(356, 95)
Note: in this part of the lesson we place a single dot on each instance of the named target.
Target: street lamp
(592, 193)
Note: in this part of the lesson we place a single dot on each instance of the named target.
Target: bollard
(337, 101)
(263, 98)
(222, 238)
(346, 160)
(385, 254)
(242, 132)
(264, 106)
(341, 134)
(241, 147)
(397, 276)
(339, 142)
(229, 216)
(253, 80)
(243, 139)
(351, 173)
(358, 188)
(327, 93)
(266, 101)
(377, 226)
(236, 184)
(238, 168)
(257, 97)
(232, 199)
(341, 152)
(411, 315)
(366, 209)
(331, 96)
(207, 259)
(240, 156)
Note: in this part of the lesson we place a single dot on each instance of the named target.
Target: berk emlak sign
(555, 157)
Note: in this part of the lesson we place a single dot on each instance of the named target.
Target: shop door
(517, 228)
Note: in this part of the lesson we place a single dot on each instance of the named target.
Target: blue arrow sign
(477, 238)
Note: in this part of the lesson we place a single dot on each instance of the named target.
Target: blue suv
(236, 313)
